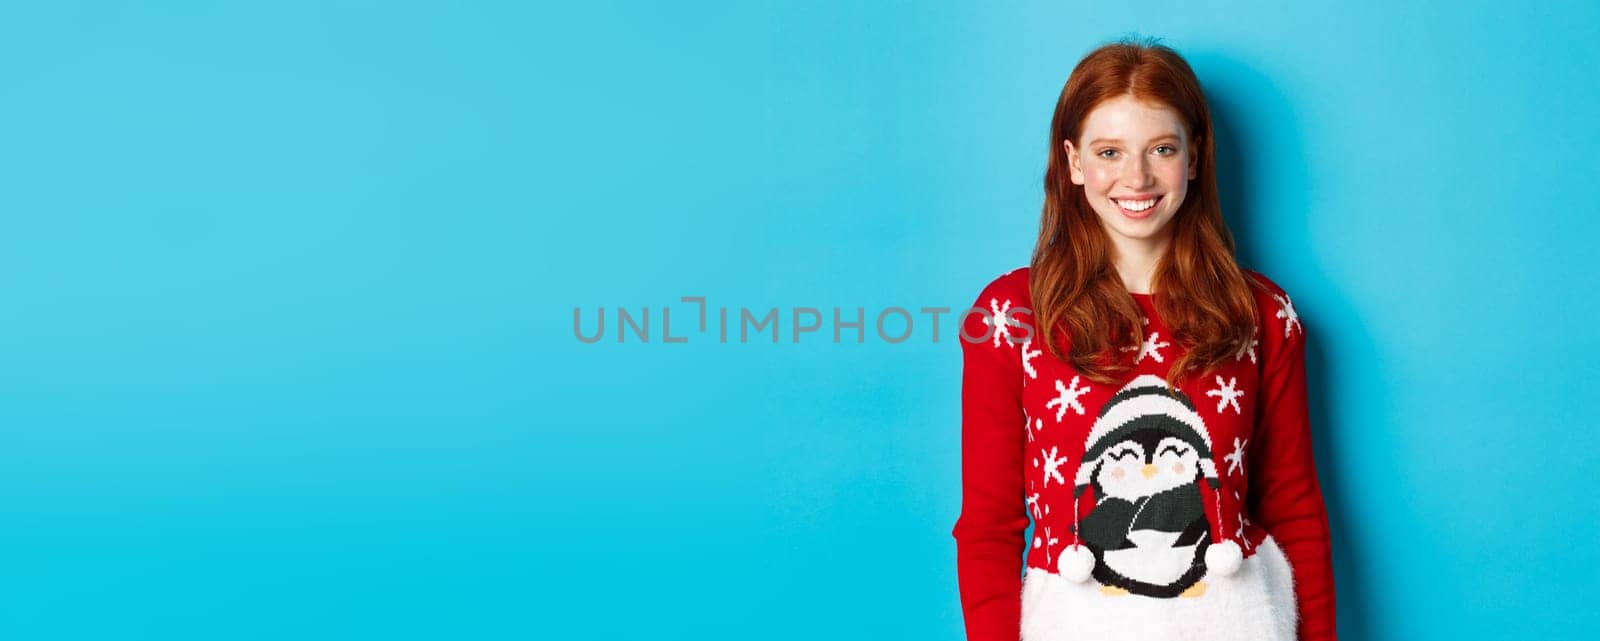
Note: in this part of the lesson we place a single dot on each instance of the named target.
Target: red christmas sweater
(1191, 516)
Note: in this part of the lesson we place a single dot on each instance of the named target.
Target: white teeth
(1137, 205)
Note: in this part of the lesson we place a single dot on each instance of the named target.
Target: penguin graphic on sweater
(1148, 458)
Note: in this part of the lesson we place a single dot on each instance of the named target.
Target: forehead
(1128, 119)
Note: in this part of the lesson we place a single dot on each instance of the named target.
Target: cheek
(1118, 473)
(1177, 468)
(1098, 177)
(1177, 168)
(1176, 176)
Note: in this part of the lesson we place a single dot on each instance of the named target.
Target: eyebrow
(1097, 141)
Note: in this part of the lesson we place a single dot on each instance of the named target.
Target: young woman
(1139, 396)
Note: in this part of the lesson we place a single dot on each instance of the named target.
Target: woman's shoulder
(1001, 310)
(1276, 308)
(1266, 290)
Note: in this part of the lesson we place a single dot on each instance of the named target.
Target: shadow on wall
(1259, 135)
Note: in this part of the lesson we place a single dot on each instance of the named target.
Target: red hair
(1200, 292)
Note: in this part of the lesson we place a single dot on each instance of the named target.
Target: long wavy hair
(1200, 292)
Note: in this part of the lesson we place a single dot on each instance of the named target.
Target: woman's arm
(989, 532)
(1285, 495)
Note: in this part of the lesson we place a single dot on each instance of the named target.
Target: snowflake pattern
(1248, 347)
(1236, 458)
(1067, 396)
(1286, 312)
(1227, 394)
(1052, 467)
(1033, 506)
(1001, 323)
(1150, 348)
(1027, 358)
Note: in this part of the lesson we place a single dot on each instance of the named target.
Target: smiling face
(1135, 160)
(1130, 470)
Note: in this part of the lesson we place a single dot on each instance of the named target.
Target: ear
(1194, 158)
(1073, 169)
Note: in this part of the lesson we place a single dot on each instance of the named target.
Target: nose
(1148, 471)
(1136, 172)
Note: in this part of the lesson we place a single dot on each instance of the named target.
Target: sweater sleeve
(989, 531)
(1285, 495)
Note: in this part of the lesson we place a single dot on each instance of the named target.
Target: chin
(1142, 234)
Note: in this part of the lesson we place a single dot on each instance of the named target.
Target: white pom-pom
(1076, 563)
(1223, 558)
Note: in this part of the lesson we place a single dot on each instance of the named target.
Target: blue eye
(1170, 147)
(1103, 153)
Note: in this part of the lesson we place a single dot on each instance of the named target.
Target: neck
(1136, 263)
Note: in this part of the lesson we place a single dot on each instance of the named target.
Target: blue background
(288, 299)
